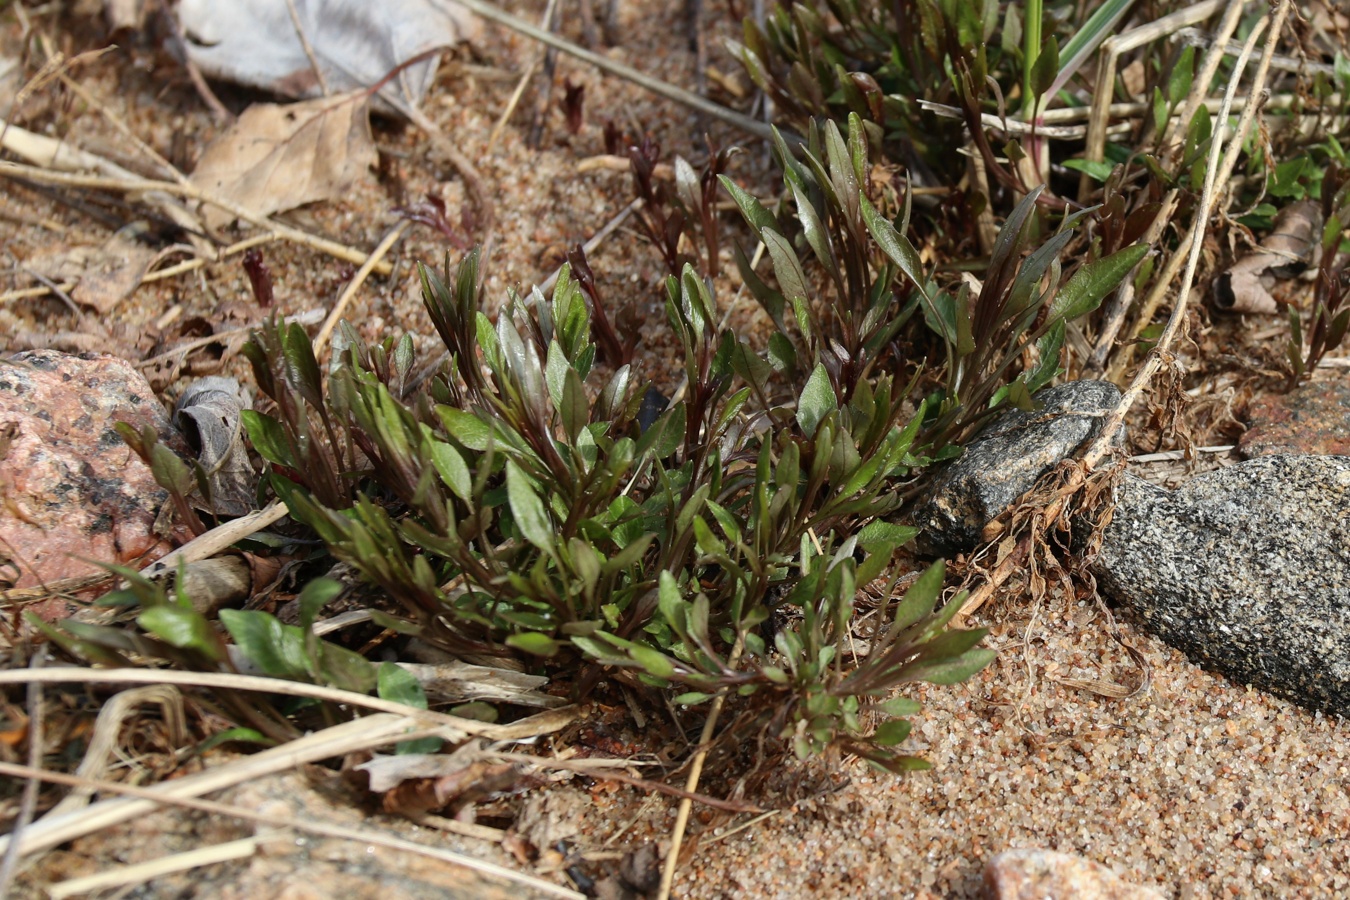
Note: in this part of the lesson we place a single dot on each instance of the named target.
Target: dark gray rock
(1246, 570)
(1007, 458)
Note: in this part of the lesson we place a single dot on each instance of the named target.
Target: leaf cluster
(522, 503)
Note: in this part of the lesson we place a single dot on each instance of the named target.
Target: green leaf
(397, 685)
(957, 670)
(1046, 67)
(879, 532)
(920, 598)
(786, 266)
(1093, 281)
(888, 734)
(1160, 110)
(901, 706)
(527, 509)
(240, 735)
(452, 469)
(670, 602)
(1097, 170)
(478, 711)
(1183, 75)
(470, 430)
(535, 643)
(268, 438)
(180, 627)
(655, 662)
(754, 212)
(302, 370)
(271, 646)
(574, 408)
(556, 368)
(894, 244)
(1048, 348)
(315, 596)
(817, 400)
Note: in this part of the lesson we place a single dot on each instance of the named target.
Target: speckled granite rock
(1006, 459)
(1035, 874)
(73, 490)
(1245, 569)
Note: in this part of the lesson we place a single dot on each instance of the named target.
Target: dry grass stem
(223, 536)
(691, 783)
(458, 728)
(147, 799)
(1111, 50)
(628, 73)
(135, 184)
(140, 873)
(523, 83)
(1216, 173)
(340, 307)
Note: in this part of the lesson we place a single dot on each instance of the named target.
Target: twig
(107, 727)
(1118, 307)
(117, 122)
(125, 876)
(597, 239)
(1205, 77)
(376, 255)
(15, 596)
(600, 771)
(209, 543)
(1094, 149)
(628, 73)
(524, 82)
(691, 783)
(1169, 455)
(309, 50)
(308, 317)
(135, 184)
(1102, 446)
(457, 728)
(30, 788)
(148, 798)
(1215, 172)
(218, 110)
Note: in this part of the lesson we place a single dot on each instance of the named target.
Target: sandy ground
(1198, 786)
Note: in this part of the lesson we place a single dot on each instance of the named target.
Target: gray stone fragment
(1245, 569)
(1006, 459)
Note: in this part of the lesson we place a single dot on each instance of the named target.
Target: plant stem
(1031, 51)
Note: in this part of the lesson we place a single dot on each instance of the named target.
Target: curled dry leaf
(208, 415)
(355, 44)
(278, 157)
(1247, 286)
(416, 783)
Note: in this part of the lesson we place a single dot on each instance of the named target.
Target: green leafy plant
(517, 506)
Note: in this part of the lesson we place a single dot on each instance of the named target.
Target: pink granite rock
(72, 492)
(1312, 419)
(1035, 874)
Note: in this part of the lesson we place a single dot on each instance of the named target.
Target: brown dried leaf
(1248, 286)
(105, 275)
(461, 785)
(277, 157)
